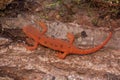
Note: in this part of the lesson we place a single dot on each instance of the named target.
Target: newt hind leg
(61, 55)
(70, 37)
(71, 40)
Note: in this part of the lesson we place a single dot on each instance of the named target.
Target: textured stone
(42, 64)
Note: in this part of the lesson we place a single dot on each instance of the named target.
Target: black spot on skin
(51, 44)
(55, 45)
(39, 38)
(61, 46)
(45, 42)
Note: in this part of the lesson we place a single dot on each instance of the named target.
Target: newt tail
(74, 50)
(92, 50)
(57, 44)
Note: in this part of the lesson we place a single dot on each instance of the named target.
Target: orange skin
(57, 44)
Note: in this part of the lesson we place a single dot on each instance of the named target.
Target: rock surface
(17, 63)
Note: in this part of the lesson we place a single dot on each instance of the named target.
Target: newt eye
(39, 37)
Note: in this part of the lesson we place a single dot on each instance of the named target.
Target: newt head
(31, 31)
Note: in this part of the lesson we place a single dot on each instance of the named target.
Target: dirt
(89, 23)
(4, 3)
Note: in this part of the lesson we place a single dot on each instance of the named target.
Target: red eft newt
(57, 44)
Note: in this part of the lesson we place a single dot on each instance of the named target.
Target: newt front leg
(44, 27)
(35, 45)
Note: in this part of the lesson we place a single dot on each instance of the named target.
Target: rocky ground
(17, 63)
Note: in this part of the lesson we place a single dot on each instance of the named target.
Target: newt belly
(57, 44)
